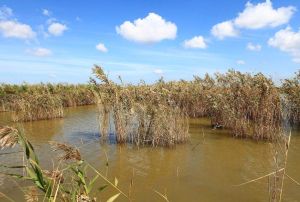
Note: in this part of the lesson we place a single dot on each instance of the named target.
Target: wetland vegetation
(247, 105)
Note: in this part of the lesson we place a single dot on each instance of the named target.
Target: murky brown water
(203, 170)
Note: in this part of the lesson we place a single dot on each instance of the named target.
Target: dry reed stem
(69, 152)
(8, 137)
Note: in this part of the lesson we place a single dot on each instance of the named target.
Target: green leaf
(91, 184)
(102, 187)
(114, 197)
(4, 166)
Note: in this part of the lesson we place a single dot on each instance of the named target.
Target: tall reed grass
(42, 101)
(248, 105)
(142, 114)
(36, 107)
(291, 92)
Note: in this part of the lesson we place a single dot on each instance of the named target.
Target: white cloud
(101, 47)
(46, 12)
(158, 71)
(254, 16)
(195, 42)
(40, 52)
(57, 29)
(224, 29)
(240, 62)
(288, 41)
(5, 12)
(150, 29)
(263, 15)
(14, 29)
(253, 47)
(11, 28)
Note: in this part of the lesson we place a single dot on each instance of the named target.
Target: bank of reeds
(141, 114)
(32, 107)
(249, 105)
(42, 101)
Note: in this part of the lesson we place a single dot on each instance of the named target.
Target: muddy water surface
(206, 169)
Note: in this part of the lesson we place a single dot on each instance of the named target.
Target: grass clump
(247, 104)
(141, 114)
(291, 91)
(32, 107)
(30, 102)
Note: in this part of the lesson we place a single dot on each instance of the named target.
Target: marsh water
(205, 169)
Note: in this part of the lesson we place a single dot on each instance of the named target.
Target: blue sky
(59, 41)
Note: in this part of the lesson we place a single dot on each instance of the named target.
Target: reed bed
(42, 101)
(249, 105)
(141, 114)
(36, 107)
(291, 93)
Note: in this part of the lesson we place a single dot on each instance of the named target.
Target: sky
(60, 41)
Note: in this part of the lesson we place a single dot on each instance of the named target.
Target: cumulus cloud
(254, 16)
(40, 52)
(224, 29)
(153, 28)
(195, 42)
(57, 29)
(5, 12)
(263, 15)
(240, 62)
(253, 47)
(11, 28)
(46, 12)
(101, 47)
(158, 71)
(288, 41)
(14, 29)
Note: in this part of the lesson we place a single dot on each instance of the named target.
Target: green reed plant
(68, 182)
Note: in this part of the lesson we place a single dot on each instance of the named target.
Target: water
(205, 169)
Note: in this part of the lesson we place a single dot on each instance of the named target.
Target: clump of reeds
(291, 92)
(8, 137)
(31, 107)
(69, 152)
(46, 98)
(247, 104)
(142, 114)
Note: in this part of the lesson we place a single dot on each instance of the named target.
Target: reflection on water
(205, 169)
